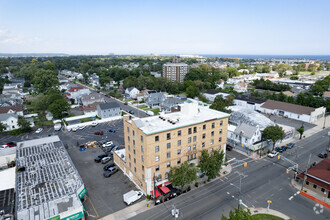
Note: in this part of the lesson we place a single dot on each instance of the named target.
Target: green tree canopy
(301, 131)
(221, 103)
(238, 214)
(273, 133)
(211, 164)
(24, 124)
(183, 175)
(58, 107)
(43, 80)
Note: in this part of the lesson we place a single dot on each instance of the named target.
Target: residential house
(326, 95)
(211, 94)
(221, 84)
(75, 93)
(293, 111)
(248, 102)
(155, 99)
(155, 74)
(94, 79)
(10, 99)
(107, 110)
(241, 87)
(91, 108)
(243, 136)
(9, 120)
(132, 92)
(91, 98)
(12, 85)
(244, 71)
(80, 76)
(183, 97)
(169, 103)
(15, 109)
(66, 86)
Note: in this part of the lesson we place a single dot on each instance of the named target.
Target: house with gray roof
(107, 110)
(9, 121)
(91, 98)
(155, 99)
(132, 92)
(169, 103)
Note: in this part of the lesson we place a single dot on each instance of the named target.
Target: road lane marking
(231, 160)
(244, 205)
(291, 198)
(228, 193)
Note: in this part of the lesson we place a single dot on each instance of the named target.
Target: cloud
(9, 38)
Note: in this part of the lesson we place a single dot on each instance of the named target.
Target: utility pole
(239, 188)
(305, 176)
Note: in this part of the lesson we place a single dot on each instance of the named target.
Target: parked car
(109, 149)
(279, 149)
(99, 158)
(3, 147)
(39, 130)
(125, 103)
(74, 129)
(323, 155)
(107, 144)
(11, 144)
(57, 126)
(132, 196)
(131, 112)
(94, 123)
(112, 130)
(110, 171)
(114, 149)
(106, 167)
(284, 148)
(80, 127)
(101, 142)
(105, 160)
(98, 133)
(290, 145)
(228, 147)
(272, 154)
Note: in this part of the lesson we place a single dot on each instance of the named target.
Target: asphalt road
(265, 179)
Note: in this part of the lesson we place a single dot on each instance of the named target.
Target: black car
(279, 149)
(106, 167)
(284, 148)
(323, 155)
(110, 171)
(290, 145)
(109, 149)
(131, 112)
(228, 147)
(99, 158)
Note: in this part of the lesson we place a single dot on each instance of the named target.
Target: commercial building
(248, 102)
(175, 71)
(48, 185)
(293, 111)
(211, 94)
(155, 144)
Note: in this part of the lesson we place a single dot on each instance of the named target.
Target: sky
(267, 27)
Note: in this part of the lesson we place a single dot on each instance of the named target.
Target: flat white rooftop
(46, 180)
(190, 114)
(7, 178)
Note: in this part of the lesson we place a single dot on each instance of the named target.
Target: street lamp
(239, 188)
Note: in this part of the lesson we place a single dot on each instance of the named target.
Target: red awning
(165, 189)
(157, 193)
(167, 183)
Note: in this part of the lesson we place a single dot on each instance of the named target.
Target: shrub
(205, 181)
(148, 197)
(224, 172)
(15, 132)
(189, 188)
(196, 184)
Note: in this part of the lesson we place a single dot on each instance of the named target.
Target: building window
(204, 136)
(129, 156)
(141, 138)
(194, 156)
(221, 122)
(179, 161)
(189, 130)
(322, 189)
(166, 175)
(219, 139)
(314, 186)
(157, 168)
(129, 148)
(142, 149)
(212, 142)
(168, 145)
(179, 142)
(127, 129)
(204, 127)
(203, 144)
(211, 149)
(156, 138)
(213, 124)
(142, 168)
(168, 136)
(307, 183)
(194, 139)
(128, 139)
(133, 133)
(142, 177)
(130, 166)
(212, 133)
(142, 158)
(157, 158)
(134, 151)
(220, 132)
(156, 148)
(134, 142)
(189, 139)
(168, 164)
(179, 152)
(219, 148)
(168, 154)
(195, 129)
(189, 148)
(135, 169)
(134, 160)
(179, 133)
(194, 147)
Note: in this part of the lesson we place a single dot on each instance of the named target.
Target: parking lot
(105, 195)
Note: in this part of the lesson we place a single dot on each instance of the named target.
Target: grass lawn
(155, 110)
(144, 108)
(86, 119)
(265, 217)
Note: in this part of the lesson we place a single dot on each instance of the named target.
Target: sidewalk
(311, 195)
(268, 211)
(142, 206)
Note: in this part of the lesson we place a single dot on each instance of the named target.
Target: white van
(57, 126)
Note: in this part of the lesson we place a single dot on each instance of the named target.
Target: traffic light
(245, 164)
(279, 157)
(287, 171)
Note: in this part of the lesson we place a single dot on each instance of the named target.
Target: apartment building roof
(46, 179)
(190, 114)
(175, 64)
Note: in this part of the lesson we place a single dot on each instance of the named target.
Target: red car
(11, 144)
(98, 133)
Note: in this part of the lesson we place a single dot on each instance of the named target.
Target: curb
(255, 211)
(315, 199)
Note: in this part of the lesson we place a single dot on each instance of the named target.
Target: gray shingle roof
(247, 130)
(298, 109)
(109, 105)
(4, 117)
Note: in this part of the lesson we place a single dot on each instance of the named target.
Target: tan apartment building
(155, 144)
(175, 71)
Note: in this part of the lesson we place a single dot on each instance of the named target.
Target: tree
(24, 124)
(44, 80)
(301, 131)
(192, 91)
(185, 174)
(238, 214)
(2, 127)
(58, 107)
(221, 104)
(211, 164)
(273, 133)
